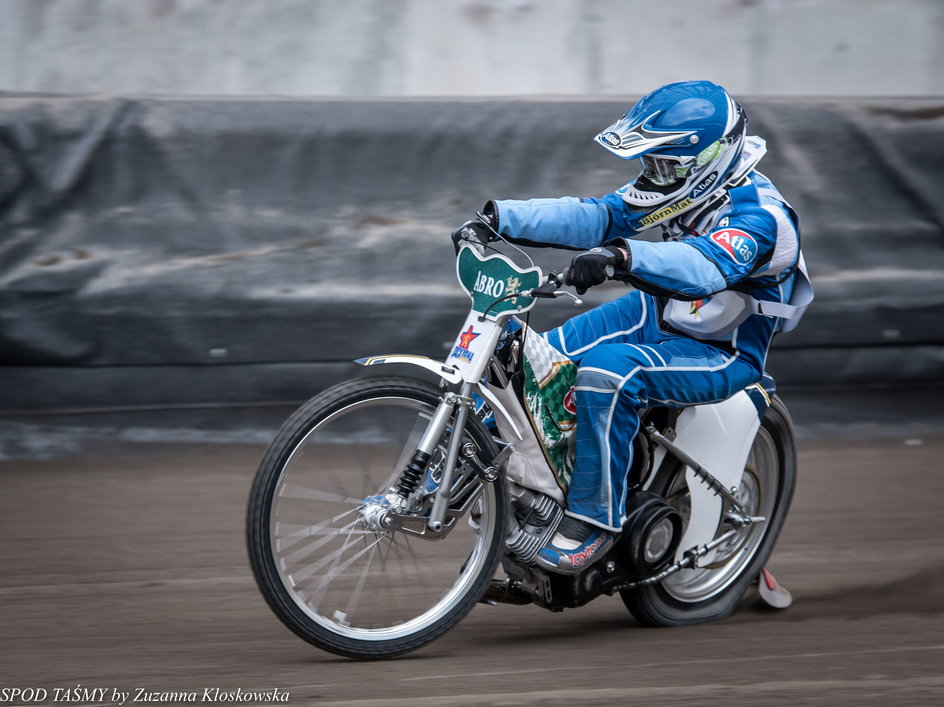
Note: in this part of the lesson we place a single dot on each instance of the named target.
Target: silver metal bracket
(490, 473)
(702, 474)
(456, 399)
(739, 520)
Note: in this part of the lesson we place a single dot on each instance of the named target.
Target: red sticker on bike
(570, 402)
(738, 245)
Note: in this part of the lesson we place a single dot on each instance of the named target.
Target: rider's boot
(575, 546)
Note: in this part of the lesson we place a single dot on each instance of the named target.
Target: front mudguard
(450, 374)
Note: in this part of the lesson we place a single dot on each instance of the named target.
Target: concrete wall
(471, 47)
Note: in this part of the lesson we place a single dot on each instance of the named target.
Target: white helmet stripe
(631, 141)
(732, 116)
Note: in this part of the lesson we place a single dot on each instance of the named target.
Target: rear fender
(718, 436)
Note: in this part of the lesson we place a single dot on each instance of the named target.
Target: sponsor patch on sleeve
(738, 245)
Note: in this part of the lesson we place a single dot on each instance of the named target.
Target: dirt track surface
(125, 568)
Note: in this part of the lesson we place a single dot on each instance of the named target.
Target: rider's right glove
(480, 229)
(590, 268)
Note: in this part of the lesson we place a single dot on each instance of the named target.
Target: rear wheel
(324, 559)
(714, 590)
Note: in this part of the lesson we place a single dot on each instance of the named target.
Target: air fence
(167, 251)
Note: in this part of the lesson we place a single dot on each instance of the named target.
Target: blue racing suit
(653, 346)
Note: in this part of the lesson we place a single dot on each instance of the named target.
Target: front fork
(435, 523)
(415, 469)
(472, 352)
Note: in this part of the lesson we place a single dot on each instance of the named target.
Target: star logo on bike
(466, 337)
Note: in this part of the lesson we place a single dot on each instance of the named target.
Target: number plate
(487, 279)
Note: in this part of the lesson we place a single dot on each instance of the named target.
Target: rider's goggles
(663, 170)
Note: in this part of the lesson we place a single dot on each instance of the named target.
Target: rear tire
(715, 591)
(333, 574)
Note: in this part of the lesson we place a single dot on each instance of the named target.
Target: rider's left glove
(590, 268)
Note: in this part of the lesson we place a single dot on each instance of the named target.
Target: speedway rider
(727, 276)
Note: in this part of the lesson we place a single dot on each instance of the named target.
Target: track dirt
(125, 568)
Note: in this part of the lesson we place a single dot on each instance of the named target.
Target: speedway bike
(386, 507)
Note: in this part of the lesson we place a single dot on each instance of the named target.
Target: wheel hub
(748, 495)
(375, 513)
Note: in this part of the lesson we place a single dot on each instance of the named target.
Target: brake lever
(546, 291)
(575, 298)
(549, 289)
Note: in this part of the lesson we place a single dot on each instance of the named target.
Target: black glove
(474, 231)
(589, 268)
(481, 229)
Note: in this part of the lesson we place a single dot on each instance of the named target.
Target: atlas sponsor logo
(570, 402)
(579, 558)
(739, 246)
(657, 216)
(704, 184)
(461, 351)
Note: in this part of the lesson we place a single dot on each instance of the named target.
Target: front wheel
(713, 591)
(327, 564)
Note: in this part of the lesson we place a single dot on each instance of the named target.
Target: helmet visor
(664, 171)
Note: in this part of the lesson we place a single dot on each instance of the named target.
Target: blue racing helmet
(688, 136)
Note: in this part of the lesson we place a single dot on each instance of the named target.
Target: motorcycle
(384, 506)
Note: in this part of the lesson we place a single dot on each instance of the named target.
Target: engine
(536, 518)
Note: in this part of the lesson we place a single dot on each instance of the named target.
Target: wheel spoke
(297, 533)
(300, 532)
(337, 569)
(359, 587)
(292, 491)
(406, 550)
(330, 559)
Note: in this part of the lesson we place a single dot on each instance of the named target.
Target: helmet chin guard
(690, 137)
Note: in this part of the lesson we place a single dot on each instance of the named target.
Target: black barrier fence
(178, 250)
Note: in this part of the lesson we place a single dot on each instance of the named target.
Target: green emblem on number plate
(489, 279)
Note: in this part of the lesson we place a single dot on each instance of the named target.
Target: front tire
(714, 591)
(328, 569)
